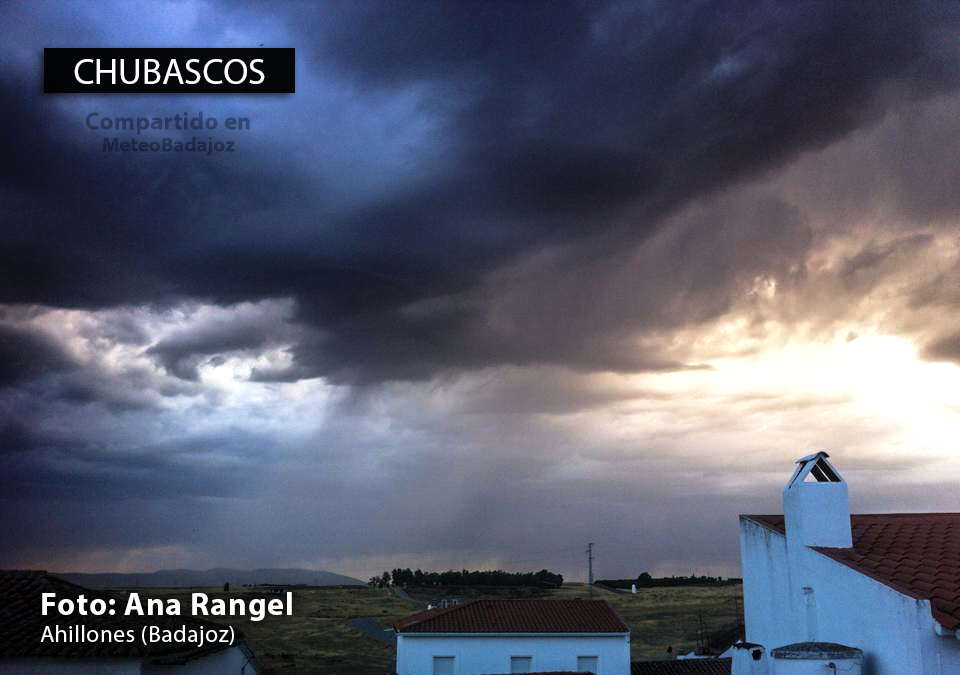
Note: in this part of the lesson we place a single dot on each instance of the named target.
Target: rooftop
(917, 554)
(22, 624)
(682, 667)
(516, 616)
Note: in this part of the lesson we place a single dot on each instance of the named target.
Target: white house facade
(887, 584)
(514, 636)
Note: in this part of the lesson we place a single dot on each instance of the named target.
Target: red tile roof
(917, 554)
(22, 624)
(516, 616)
(682, 667)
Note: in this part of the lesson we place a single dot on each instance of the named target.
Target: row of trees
(647, 581)
(408, 577)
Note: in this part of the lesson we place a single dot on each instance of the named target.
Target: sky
(500, 279)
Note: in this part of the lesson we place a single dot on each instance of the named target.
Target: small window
(587, 664)
(443, 665)
(521, 664)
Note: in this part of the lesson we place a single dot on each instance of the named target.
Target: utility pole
(590, 567)
(701, 634)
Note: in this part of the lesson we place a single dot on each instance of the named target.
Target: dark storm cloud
(944, 348)
(559, 123)
(134, 389)
(57, 466)
(26, 354)
(16, 436)
(588, 105)
(93, 231)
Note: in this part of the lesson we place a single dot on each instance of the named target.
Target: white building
(23, 651)
(514, 636)
(886, 584)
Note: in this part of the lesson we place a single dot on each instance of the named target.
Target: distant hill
(214, 577)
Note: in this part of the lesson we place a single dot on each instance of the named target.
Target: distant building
(514, 636)
(23, 652)
(822, 588)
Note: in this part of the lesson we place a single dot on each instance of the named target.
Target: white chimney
(816, 507)
(748, 659)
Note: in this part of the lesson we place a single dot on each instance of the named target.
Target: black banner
(99, 70)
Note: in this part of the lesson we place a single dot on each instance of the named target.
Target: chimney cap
(746, 645)
(810, 458)
(816, 467)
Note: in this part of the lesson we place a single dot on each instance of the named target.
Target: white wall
(815, 667)
(491, 654)
(39, 666)
(895, 631)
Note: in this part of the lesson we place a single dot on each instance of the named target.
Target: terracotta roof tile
(917, 554)
(682, 667)
(516, 616)
(22, 624)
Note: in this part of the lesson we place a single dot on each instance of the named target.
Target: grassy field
(659, 617)
(317, 639)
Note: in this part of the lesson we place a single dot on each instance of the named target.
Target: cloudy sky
(500, 279)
